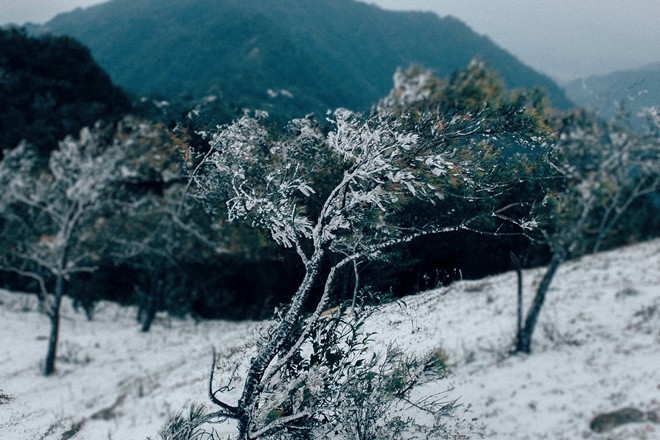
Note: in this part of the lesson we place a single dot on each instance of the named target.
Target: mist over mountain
(634, 89)
(288, 56)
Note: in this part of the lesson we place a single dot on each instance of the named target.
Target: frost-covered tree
(603, 170)
(630, 172)
(333, 197)
(163, 232)
(474, 90)
(158, 225)
(54, 213)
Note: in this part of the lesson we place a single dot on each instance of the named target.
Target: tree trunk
(267, 353)
(518, 268)
(155, 293)
(524, 339)
(149, 309)
(54, 314)
(149, 314)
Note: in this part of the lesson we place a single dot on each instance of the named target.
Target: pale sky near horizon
(565, 39)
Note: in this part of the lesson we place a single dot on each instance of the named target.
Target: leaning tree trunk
(524, 337)
(561, 248)
(259, 363)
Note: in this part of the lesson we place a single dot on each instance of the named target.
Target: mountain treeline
(627, 91)
(51, 87)
(158, 246)
(289, 57)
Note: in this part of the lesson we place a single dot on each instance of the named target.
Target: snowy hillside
(597, 350)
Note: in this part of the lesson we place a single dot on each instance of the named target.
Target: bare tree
(333, 198)
(604, 170)
(54, 213)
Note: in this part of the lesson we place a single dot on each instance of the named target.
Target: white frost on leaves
(72, 190)
(410, 86)
(378, 164)
(529, 225)
(264, 191)
(651, 114)
(437, 164)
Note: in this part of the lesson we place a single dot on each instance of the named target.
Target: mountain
(634, 88)
(51, 87)
(294, 56)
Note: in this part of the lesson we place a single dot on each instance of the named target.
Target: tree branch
(311, 321)
(43, 292)
(231, 411)
(278, 423)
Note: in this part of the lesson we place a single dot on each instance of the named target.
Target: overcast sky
(565, 39)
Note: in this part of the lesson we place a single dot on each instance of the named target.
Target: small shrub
(5, 398)
(435, 364)
(71, 432)
(351, 392)
(188, 426)
(72, 353)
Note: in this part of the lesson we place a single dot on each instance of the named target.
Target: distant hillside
(293, 56)
(50, 87)
(636, 88)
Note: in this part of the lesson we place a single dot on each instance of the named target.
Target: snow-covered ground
(596, 350)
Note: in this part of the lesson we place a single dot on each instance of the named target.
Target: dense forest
(51, 87)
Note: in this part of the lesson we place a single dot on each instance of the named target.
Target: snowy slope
(597, 349)
(597, 346)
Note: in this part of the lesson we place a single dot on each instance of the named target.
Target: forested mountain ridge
(292, 57)
(51, 87)
(634, 89)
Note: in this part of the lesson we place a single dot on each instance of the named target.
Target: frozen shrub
(187, 426)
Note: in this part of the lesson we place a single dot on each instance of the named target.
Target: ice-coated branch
(309, 325)
(43, 291)
(278, 423)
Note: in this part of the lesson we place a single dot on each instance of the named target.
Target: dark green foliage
(186, 426)
(325, 53)
(235, 287)
(521, 168)
(51, 87)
